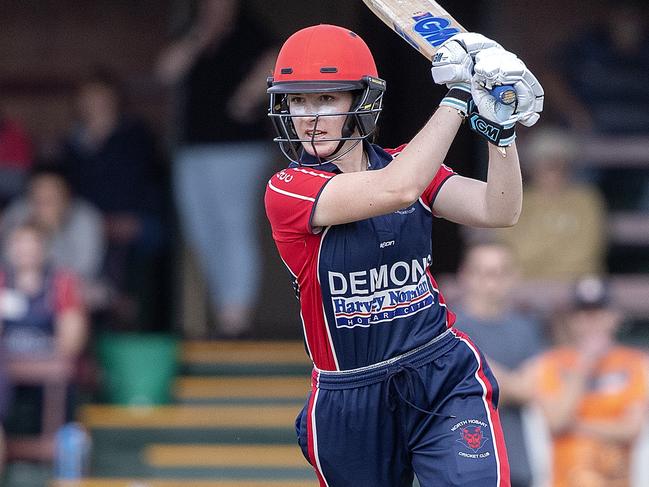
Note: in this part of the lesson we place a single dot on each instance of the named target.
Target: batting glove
(495, 67)
(453, 61)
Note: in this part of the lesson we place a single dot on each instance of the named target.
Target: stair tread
(179, 482)
(286, 352)
(219, 455)
(189, 416)
(192, 387)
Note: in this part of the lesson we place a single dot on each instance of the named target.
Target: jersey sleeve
(430, 193)
(291, 197)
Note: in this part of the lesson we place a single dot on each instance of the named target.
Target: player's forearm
(413, 170)
(504, 192)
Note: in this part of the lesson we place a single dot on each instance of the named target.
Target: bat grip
(505, 94)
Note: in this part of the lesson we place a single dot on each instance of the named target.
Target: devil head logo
(472, 437)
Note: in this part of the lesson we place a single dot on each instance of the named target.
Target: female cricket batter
(396, 390)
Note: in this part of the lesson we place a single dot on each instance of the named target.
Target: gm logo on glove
(481, 125)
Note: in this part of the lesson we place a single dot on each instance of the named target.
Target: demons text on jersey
(381, 294)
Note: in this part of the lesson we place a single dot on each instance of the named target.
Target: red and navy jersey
(365, 288)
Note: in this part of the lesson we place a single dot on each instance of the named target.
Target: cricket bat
(425, 25)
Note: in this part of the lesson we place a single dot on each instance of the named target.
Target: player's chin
(321, 149)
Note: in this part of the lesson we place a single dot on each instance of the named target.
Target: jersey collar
(378, 159)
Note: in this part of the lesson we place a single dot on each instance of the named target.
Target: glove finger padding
(472, 42)
(530, 96)
(499, 67)
(493, 66)
(452, 64)
(453, 61)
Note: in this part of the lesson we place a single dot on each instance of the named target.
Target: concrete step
(245, 358)
(219, 456)
(188, 416)
(180, 482)
(192, 389)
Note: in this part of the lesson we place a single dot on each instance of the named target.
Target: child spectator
(41, 310)
(593, 393)
(41, 316)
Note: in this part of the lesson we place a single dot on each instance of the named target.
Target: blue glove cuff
(459, 97)
(495, 133)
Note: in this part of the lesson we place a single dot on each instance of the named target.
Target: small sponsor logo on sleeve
(284, 176)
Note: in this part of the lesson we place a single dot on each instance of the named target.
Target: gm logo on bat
(434, 29)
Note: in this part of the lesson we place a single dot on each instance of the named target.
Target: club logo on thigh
(473, 438)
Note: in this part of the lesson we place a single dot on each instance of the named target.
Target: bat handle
(505, 94)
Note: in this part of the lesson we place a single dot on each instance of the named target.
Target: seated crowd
(81, 237)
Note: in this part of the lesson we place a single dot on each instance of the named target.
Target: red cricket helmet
(319, 59)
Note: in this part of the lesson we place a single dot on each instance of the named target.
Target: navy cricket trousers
(430, 413)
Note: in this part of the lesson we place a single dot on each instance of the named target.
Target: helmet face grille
(360, 122)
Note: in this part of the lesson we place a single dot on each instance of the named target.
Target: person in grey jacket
(73, 227)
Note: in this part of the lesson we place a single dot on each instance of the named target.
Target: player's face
(317, 119)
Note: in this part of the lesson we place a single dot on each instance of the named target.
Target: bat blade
(423, 24)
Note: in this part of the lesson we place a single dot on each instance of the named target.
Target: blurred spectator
(40, 306)
(600, 80)
(220, 67)
(561, 232)
(73, 227)
(41, 316)
(16, 158)
(5, 400)
(487, 276)
(112, 161)
(593, 393)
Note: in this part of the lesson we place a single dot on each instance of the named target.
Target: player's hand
(453, 61)
(495, 67)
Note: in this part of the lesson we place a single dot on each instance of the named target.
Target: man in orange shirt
(593, 393)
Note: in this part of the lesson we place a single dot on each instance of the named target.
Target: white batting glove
(495, 67)
(453, 61)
